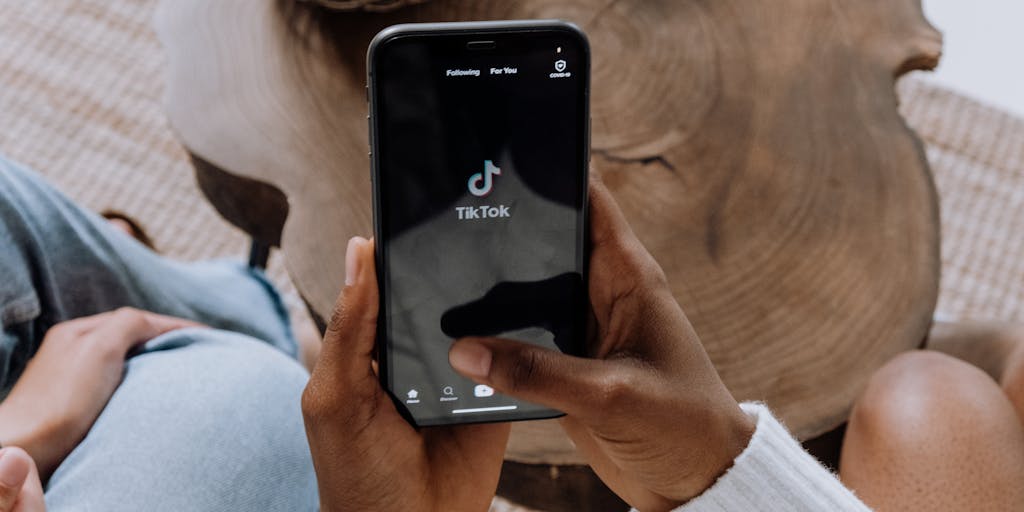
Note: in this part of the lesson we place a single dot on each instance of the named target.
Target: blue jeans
(204, 419)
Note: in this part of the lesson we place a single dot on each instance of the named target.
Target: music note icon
(480, 184)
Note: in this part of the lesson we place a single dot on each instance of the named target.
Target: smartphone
(479, 136)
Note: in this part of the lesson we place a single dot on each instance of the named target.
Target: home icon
(413, 394)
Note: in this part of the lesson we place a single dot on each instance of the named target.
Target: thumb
(574, 385)
(15, 466)
(15, 469)
(348, 345)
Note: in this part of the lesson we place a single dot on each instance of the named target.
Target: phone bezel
(470, 31)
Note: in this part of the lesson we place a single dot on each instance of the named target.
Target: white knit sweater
(775, 474)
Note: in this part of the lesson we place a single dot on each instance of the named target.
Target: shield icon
(559, 65)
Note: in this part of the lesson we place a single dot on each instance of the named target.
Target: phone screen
(480, 154)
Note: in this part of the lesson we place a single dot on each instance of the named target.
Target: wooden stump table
(754, 146)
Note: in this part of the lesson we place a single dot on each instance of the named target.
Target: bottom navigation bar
(486, 409)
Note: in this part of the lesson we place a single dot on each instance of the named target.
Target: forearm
(774, 473)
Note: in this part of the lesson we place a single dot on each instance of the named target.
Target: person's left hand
(366, 456)
(68, 382)
(20, 488)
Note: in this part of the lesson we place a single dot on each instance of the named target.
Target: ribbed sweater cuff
(774, 473)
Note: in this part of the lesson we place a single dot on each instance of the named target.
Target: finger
(32, 497)
(348, 347)
(81, 326)
(574, 385)
(619, 264)
(161, 323)
(128, 327)
(15, 466)
(607, 222)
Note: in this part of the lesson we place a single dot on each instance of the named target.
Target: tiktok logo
(481, 183)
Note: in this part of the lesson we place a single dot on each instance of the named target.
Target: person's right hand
(66, 385)
(649, 412)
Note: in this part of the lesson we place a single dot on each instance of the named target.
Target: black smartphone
(479, 136)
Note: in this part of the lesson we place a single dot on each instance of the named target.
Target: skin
(68, 382)
(997, 348)
(367, 457)
(20, 487)
(1012, 378)
(648, 409)
(934, 433)
(60, 394)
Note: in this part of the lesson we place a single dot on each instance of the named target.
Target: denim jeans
(205, 419)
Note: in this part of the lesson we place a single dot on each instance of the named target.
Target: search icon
(448, 391)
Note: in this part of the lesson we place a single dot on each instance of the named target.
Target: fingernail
(471, 358)
(352, 260)
(12, 470)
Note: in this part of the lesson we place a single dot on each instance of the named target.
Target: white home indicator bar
(486, 409)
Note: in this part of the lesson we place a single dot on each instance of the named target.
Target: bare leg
(995, 347)
(934, 433)
(1012, 378)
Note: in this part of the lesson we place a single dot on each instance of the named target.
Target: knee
(921, 392)
(1012, 379)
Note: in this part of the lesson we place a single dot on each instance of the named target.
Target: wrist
(737, 429)
(27, 434)
(12, 428)
(741, 431)
(728, 431)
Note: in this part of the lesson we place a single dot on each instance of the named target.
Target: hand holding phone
(649, 413)
(366, 455)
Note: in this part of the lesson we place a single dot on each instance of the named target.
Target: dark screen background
(519, 276)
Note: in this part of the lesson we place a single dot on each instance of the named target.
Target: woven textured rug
(80, 102)
(977, 157)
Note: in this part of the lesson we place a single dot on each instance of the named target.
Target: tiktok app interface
(481, 169)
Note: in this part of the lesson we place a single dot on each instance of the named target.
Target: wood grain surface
(755, 147)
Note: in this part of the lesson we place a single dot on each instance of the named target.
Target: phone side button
(590, 122)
